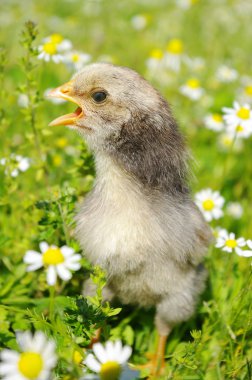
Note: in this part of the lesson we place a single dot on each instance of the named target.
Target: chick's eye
(99, 96)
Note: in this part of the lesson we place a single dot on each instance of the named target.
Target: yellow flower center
(227, 141)
(175, 46)
(231, 243)
(110, 371)
(156, 54)
(248, 90)
(193, 83)
(208, 204)
(57, 160)
(56, 38)
(50, 48)
(30, 364)
(61, 142)
(75, 57)
(194, 1)
(77, 357)
(243, 113)
(217, 117)
(53, 256)
(239, 128)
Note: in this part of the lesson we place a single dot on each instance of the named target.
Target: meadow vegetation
(198, 55)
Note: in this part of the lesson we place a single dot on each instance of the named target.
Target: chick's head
(108, 98)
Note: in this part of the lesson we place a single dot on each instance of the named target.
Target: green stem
(63, 223)
(52, 302)
(226, 163)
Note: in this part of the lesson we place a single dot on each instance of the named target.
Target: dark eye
(99, 96)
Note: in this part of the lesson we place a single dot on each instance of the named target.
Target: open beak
(66, 92)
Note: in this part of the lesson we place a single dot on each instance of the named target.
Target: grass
(38, 205)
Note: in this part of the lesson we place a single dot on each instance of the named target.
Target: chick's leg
(156, 363)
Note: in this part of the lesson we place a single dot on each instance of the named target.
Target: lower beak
(64, 92)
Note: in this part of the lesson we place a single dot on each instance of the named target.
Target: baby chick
(138, 222)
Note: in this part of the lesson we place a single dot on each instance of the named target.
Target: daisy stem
(226, 163)
(51, 304)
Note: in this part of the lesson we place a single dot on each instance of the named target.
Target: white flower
(225, 74)
(234, 209)
(185, 4)
(196, 63)
(246, 252)
(229, 243)
(23, 101)
(58, 261)
(247, 92)
(210, 203)
(139, 22)
(228, 140)
(218, 231)
(192, 89)
(155, 60)
(15, 164)
(109, 359)
(76, 60)
(174, 56)
(35, 362)
(53, 47)
(214, 122)
(238, 117)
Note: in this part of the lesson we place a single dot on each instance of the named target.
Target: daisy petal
(63, 272)
(125, 354)
(31, 257)
(51, 275)
(43, 246)
(92, 363)
(100, 352)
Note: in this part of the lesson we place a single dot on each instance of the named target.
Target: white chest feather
(122, 229)
(115, 223)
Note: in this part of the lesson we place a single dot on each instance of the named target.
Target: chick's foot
(156, 363)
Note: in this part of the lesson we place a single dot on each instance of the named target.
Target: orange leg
(156, 364)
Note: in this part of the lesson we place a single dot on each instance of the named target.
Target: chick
(138, 222)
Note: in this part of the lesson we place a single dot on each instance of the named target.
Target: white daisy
(246, 252)
(239, 131)
(58, 261)
(185, 4)
(174, 54)
(214, 122)
(238, 116)
(109, 359)
(228, 140)
(15, 164)
(35, 362)
(226, 75)
(234, 209)
(195, 64)
(218, 231)
(210, 203)
(155, 60)
(229, 243)
(139, 22)
(23, 101)
(192, 89)
(247, 92)
(76, 60)
(53, 47)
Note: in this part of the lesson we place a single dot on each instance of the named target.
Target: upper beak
(66, 92)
